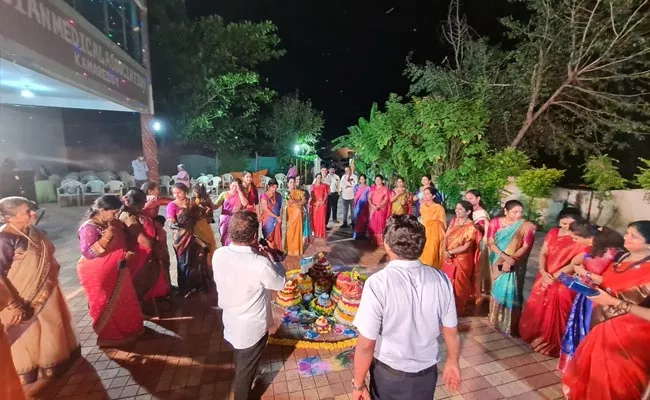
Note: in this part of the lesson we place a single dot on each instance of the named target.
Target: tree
(584, 63)
(293, 122)
(423, 136)
(205, 76)
(576, 77)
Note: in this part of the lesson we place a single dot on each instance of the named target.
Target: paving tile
(543, 380)
(324, 392)
(484, 394)
(529, 370)
(514, 388)
(500, 378)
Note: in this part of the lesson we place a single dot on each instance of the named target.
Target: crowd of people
(125, 272)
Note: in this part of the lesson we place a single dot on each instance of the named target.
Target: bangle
(358, 388)
(624, 306)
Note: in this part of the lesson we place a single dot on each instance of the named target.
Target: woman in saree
(230, 202)
(271, 211)
(44, 343)
(192, 263)
(361, 208)
(481, 220)
(544, 317)
(306, 218)
(147, 268)
(104, 274)
(294, 241)
(203, 227)
(604, 247)
(400, 198)
(461, 253)
(510, 239)
(434, 219)
(152, 206)
(319, 195)
(12, 313)
(379, 208)
(250, 191)
(613, 361)
(419, 196)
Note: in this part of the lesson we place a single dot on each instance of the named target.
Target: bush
(538, 183)
(643, 177)
(601, 175)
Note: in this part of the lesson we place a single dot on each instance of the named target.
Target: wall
(625, 206)
(32, 136)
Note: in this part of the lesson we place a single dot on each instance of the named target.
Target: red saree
(461, 267)
(112, 302)
(613, 362)
(545, 315)
(145, 265)
(379, 198)
(319, 195)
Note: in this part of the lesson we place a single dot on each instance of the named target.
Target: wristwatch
(358, 388)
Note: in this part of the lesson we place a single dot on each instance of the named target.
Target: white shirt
(402, 307)
(140, 169)
(347, 186)
(335, 183)
(244, 280)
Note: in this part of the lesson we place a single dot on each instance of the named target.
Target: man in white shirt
(140, 171)
(244, 276)
(348, 182)
(333, 202)
(402, 309)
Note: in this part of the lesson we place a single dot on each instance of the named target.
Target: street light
(156, 126)
(296, 149)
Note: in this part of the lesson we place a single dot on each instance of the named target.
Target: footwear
(344, 226)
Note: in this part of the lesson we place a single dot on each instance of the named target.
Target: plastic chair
(282, 180)
(203, 179)
(69, 188)
(55, 179)
(166, 182)
(226, 180)
(213, 185)
(115, 187)
(95, 188)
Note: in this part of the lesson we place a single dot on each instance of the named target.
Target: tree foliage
(577, 75)
(584, 62)
(601, 174)
(293, 122)
(426, 135)
(205, 74)
(643, 177)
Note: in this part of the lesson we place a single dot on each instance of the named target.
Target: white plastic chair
(55, 179)
(282, 180)
(203, 179)
(115, 187)
(166, 182)
(265, 180)
(210, 176)
(213, 185)
(226, 180)
(89, 178)
(69, 189)
(107, 176)
(95, 188)
(128, 180)
(72, 176)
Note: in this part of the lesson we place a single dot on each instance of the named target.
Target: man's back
(409, 301)
(242, 278)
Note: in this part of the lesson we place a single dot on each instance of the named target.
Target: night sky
(345, 55)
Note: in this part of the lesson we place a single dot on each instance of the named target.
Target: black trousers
(246, 363)
(332, 207)
(387, 383)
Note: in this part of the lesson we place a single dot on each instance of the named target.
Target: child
(161, 249)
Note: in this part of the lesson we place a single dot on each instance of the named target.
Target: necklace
(634, 265)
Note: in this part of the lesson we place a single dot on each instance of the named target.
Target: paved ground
(184, 355)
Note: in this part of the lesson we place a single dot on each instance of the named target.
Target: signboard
(45, 29)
